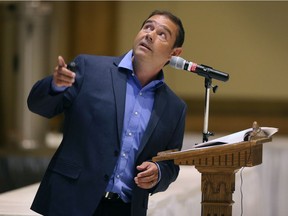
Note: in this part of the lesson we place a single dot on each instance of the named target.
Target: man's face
(154, 42)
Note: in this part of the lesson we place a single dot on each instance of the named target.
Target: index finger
(61, 61)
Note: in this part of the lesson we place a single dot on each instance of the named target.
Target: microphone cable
(241, 190)
(241, 183)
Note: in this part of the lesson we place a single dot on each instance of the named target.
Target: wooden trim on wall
(232, 115)
(93, 28)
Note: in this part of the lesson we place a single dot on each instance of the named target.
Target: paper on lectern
(235, 137)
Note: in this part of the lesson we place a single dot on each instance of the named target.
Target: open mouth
(146, 46)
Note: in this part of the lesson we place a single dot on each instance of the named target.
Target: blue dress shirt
(138, 107)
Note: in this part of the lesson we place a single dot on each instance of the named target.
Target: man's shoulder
(98, 58)
(173, 96)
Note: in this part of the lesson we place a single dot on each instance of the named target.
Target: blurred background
(248, 40)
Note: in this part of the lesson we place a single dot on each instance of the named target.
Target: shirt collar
(126, 63)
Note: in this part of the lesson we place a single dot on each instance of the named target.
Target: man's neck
(145, 73)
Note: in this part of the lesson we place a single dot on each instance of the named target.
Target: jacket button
(116, 153)
(106, 177)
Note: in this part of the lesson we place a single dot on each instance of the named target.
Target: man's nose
(149, 36)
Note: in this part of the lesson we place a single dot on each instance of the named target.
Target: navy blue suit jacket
(81, 167)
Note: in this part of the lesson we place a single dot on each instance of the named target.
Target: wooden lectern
(218, 165)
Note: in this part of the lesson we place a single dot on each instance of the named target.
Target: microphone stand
(208, 86)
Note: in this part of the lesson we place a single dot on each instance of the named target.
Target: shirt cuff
(57, 88)
(159, 172)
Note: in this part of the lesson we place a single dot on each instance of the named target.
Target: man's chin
(141, 53)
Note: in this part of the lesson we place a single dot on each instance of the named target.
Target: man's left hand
(148, 176)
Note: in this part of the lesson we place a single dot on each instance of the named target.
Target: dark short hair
(181, 33)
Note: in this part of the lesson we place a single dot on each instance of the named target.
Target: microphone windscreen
(177, 62)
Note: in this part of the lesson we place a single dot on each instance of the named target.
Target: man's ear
(176, 51)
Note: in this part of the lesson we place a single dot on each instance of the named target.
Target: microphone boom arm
(209, 72)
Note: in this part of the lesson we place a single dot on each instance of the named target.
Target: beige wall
(249, 40)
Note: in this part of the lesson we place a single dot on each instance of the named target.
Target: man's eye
(163, 36)
(148, 28)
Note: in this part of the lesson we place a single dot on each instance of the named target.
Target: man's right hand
(62, 76)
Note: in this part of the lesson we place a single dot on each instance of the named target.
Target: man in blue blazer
(119, 113)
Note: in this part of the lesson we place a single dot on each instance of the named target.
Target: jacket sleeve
(44, 101)
(169, 171)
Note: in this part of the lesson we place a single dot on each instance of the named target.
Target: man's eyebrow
(163, 26)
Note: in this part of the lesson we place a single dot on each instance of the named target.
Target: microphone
(202, 70)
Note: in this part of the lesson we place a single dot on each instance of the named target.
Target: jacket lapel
(158, 108)
(119, 79)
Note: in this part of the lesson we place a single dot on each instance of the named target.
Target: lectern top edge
(210, 151)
